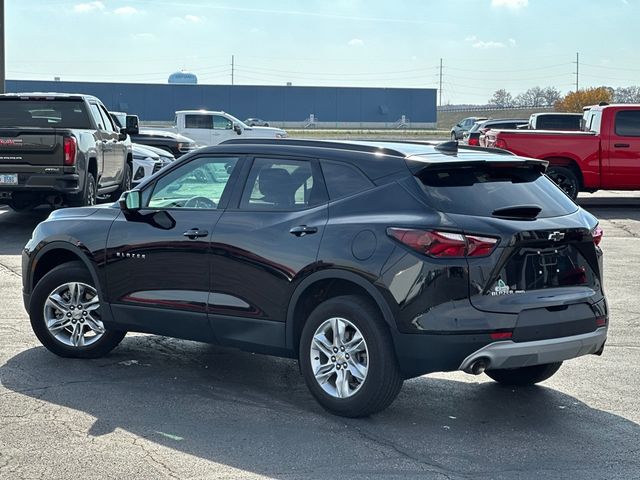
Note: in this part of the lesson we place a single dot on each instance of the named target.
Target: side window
(628, 123)
(197, 184)
(95, 113)
(222, 123)
(198, 121)
(343, 180)
(278, 184)
(108, 123)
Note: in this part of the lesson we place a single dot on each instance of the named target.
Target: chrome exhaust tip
(479, 366)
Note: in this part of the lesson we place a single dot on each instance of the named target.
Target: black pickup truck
(60, 149)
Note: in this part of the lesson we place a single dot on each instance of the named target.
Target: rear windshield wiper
(520, 212)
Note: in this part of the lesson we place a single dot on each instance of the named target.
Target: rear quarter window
(481, 190)
(343, 180)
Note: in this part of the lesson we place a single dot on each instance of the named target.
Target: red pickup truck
(605, 155)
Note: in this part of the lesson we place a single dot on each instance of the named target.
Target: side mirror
(133, 125)
(237, 128)
(122, 136)
(130, 201)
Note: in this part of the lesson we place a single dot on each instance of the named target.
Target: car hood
(103, 208)
(144, 151)
(165, 134)
(266, 131)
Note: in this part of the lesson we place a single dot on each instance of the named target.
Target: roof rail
(335, 144)
(478, 148)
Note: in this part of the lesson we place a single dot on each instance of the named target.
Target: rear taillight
(597, 235)
(474, 141)
(444, 244)
(501, 335)
(601, 321)
(500, 143)
(70, 147)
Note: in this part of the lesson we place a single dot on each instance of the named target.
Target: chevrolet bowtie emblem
(556, 236)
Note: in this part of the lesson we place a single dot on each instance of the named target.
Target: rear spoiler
(421, 164)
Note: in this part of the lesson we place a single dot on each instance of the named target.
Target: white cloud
(489, 44)
(88, 7)
(356, 42)
(193, 18)
(485, 44)
(125, 11)
(512, 4)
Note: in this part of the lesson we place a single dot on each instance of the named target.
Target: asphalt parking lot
(163, 408)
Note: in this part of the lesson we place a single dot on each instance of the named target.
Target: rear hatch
(545, 258)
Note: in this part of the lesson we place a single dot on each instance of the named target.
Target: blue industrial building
(280, 105)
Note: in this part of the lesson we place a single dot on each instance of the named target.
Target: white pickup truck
(211, 128)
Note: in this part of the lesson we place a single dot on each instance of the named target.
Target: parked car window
(628, 123)
(222, 123)
(198, 121)
(57, 113)
(197, 184)
(343, 180)
(95, 113)
(106, 118)
(277, 184)
(481, 190)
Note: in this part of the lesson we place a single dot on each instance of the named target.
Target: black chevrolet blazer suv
(369, 262)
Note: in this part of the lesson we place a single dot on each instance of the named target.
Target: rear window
(481, 190)
(559, 122)
(43, 113)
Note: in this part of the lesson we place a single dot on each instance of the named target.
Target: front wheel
(347, 357)
(65, 314)
(525, 375)
(566, 179)
(453, 136)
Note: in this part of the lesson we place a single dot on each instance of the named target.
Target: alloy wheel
(72, 314)
(339, 357)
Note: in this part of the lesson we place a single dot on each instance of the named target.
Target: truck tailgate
(20, 147)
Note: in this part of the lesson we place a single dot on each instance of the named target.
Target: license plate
(8, 178)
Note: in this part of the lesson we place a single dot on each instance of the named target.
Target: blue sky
(484, 44)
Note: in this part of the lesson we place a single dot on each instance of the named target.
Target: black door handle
(621, 145)
(302, 230)
(195, 233)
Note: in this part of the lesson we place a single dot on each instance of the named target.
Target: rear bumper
(43, 183)
(509, 354)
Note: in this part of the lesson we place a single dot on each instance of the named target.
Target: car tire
(566, 179)
(525, 375)
(453, 136)
(377, 379)
(125, 185)
(62, 327)
(88, 196)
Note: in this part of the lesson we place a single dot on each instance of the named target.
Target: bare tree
(501, 98)
(627, 94)
(551, 95)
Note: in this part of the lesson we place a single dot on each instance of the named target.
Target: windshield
(43, 113)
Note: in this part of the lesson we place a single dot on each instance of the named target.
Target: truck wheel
(566, 179)
(525, 375)
(65, 314)
(347, 357)
(87, 196)
(127, 174)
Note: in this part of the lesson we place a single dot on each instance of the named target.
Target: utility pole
(232, 66)
(2, 59)
(440, 91)
(577, 70)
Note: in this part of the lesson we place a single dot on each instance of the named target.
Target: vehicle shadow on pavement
(16, 228)
(254, 413)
